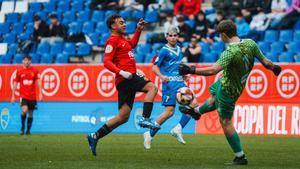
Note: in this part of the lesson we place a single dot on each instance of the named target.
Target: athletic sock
(154, 131)
(23, 118)
(235, 144)
(29, 123)
(184, 120)
(205, 107)
(103, 131)
(147, 109)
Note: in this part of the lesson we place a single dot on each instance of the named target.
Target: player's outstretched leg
(148, 136)
(234, 142)
(177, 130)
(151, 90)
(113, 123)
(207, 106)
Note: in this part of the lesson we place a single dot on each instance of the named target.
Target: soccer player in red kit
(27, 76)
(118, 58)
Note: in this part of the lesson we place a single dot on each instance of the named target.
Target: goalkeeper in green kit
(236, 62)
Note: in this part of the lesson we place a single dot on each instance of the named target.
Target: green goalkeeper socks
(205, 107)
(235, 143)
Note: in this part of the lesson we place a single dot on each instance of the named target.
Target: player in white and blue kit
(166, 67)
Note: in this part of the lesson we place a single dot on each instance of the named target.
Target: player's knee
(123, 119)
(153, 88)
(24, 110)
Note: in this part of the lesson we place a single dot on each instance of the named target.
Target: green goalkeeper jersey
(237, 62)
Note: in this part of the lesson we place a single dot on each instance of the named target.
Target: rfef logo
(197, 84)
(50, 82)
(78, 82)
(287, 83)
(257, 84)
(106, 83)
(4, 118)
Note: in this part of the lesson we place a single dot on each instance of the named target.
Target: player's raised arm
(136, 37)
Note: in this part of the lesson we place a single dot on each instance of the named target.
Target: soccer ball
(184, 96)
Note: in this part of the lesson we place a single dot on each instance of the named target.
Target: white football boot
(177, 133)
(147, 140)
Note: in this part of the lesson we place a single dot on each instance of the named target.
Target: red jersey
(27, 78)
(118, 54)
(189, 7)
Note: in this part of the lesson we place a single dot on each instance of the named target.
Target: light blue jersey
(168, 60)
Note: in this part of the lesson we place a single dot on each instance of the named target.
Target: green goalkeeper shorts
(224, 103)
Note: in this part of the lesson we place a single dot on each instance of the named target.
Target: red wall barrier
(95, 83)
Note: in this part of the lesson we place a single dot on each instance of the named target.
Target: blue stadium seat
(35, 58)
(83, 16)
(18, 58)
(151, 16)
(139, 57)
(18, 28)
(210, 57)
(62, 58)
(6, 59)
(286, 57)
(273, 56)
(63, 6)
(84, 49)
(77, 5)
(9, 38)
(47, 58)
(277, 47)
(12, 17)
(264, 47)
(4, 28)
(12, 49)
(157, 46)
(35, 7)
(125, 14)
(109, 12)
(101, 28)
(43, 48)
(98, 16)
(69, 49)
(294, 47)
(286, 35)
(137, 14)
(104, 38)
(74, 28)
(297, 35)
(68, 17)
(205, 47)
(217, 47)
(24, 36)
(190, 23)
(88, 27)
(49, 6)
(43, 15)
(144, 48)
(271, 35)
(56, 48)
(27, 17)
(130, 27)
(30, 27)
(94, 37)
(297, 58)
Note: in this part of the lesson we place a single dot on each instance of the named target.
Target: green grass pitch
(122, 151)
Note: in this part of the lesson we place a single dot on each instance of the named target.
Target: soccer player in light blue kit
(166, 67)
